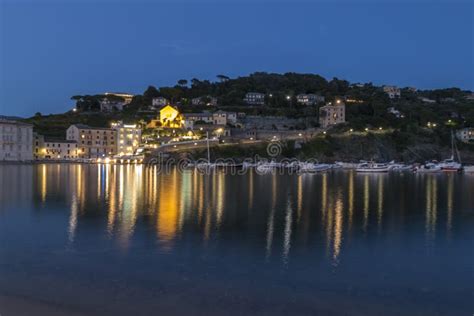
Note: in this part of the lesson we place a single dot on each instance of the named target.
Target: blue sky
(51, 50)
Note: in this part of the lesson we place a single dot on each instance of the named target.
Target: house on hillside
(332, 114)
(393, 92)
(309, 99)
(254, 98)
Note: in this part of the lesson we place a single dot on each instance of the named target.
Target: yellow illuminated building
(170, 117)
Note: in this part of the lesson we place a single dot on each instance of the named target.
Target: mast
(208, 152)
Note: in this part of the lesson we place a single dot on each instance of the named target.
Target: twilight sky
(51, 50)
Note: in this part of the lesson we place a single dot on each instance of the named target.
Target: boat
(314, 167)
(372, 167)
(346, 165)
(469, 169)
(399, 167)
(429, 167)
(450, 165)
(264, 167)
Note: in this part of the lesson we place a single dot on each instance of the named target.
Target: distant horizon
(50, 51)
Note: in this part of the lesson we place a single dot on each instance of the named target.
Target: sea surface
(137, 240)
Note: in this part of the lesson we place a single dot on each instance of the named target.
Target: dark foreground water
(126, 240)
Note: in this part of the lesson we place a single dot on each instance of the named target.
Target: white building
(466, 135)
(129, 137)
(332, 114)
(16, 141)
(393, 92)
(254, 98)
(93, 142)
(309, 99)
(159, 102)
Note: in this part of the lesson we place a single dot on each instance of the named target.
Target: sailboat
(206, 165)
(450, 165)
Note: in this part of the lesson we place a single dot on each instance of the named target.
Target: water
(121, 240)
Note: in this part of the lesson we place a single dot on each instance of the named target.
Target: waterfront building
(332, 114)
(16, 141)
(93, 142)
(128, 138)
(393, 92)
(309, 99)
(466, 135)
(254, 98)
(55, 149)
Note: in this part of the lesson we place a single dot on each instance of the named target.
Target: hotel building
(93, 142)
(128, 138)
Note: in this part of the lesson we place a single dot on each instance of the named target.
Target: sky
(51, 50)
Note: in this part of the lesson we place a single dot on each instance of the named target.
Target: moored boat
(372, 167)
(429, 167)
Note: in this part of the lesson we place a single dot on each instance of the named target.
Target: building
(54, 149)
(207, 100)
(470, 96)
(93, 142)
(191, 119)
(159, 102)
(170, 117)
(108, 105)
(426, 100)
(129, 137)
(224, 118)
(254, 98)
(332, 114)
(127, 98)
(115, 101)
(16, 141)
(466, 135)
(393, 92)
(309, 99)
(395, 112)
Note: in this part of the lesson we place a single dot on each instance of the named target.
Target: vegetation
(366, 108)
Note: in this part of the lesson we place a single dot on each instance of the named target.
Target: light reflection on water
(286, 220)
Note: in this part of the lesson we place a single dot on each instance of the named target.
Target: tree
(182, 83)
(222, 78)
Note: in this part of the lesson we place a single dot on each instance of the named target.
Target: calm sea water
(127, 240)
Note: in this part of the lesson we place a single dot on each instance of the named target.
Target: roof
(197, 115)
(10, 122)
(83, 126)
(170, 106)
